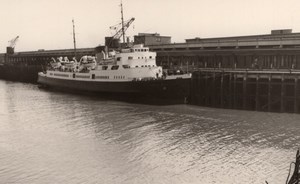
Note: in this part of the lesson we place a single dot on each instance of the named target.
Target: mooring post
(282, 94)
(257, 93)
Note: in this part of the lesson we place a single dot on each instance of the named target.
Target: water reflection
(52, 137)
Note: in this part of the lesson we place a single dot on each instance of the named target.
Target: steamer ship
(131, 71)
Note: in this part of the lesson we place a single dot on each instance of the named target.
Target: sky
(47, 24)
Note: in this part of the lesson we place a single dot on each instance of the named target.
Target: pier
(256, 72)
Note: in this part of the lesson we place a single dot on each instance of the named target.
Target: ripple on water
(52, 137)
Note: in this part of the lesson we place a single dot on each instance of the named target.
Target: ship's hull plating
(173, 90)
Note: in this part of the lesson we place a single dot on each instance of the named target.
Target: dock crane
(12, 42)
(11, 46)
(115, 39)
(121, 32)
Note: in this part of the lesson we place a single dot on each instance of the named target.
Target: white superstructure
(135, 63)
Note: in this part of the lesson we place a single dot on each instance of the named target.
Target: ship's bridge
(136, 56)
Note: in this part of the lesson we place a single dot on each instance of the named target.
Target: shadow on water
(132, 98)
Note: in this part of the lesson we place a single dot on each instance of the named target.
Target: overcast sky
(47, 24)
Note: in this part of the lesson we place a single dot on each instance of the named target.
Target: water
(53, 137)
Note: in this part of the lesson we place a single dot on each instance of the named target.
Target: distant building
(280, 34)
(151, 39)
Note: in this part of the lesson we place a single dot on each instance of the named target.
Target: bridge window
(130, 57)
(126, 66)
(115, 67)
(104, 67)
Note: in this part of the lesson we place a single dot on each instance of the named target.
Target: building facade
(278, 50)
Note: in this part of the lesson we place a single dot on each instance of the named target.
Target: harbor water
(55, 137)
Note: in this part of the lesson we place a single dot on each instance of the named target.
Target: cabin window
(118, 58)
(130, 57)
(150, 57)
(115, 67)
(136, 66)
(104, 67)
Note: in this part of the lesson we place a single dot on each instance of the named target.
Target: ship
(117, 69)
(129, 71)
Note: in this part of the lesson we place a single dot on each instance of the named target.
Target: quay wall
(272, 91)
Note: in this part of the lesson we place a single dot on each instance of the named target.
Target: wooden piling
(282, 100)
(269, 92)
(230, 94)
(296, 95)
(213, 89)
(221, 90)
(234, 92)
(257, 93)
(206, 90)
(244, 91)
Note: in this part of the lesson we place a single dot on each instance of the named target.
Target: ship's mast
(122, 18)
(74, 40)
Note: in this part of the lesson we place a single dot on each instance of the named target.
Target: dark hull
(20, 73)
(176, 91)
